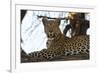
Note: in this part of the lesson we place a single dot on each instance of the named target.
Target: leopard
(58, 44)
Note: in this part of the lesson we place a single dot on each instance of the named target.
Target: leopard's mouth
(50, 39)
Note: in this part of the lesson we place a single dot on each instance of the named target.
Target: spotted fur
(59, 45)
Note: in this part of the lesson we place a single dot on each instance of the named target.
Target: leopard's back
(77, 45)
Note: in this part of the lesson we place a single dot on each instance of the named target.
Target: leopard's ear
(58, 21)
(45, 20)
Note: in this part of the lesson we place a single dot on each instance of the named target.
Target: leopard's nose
(51, 34)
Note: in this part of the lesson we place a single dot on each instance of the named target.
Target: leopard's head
(51, 27)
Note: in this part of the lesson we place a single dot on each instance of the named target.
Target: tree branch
(65, 18)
